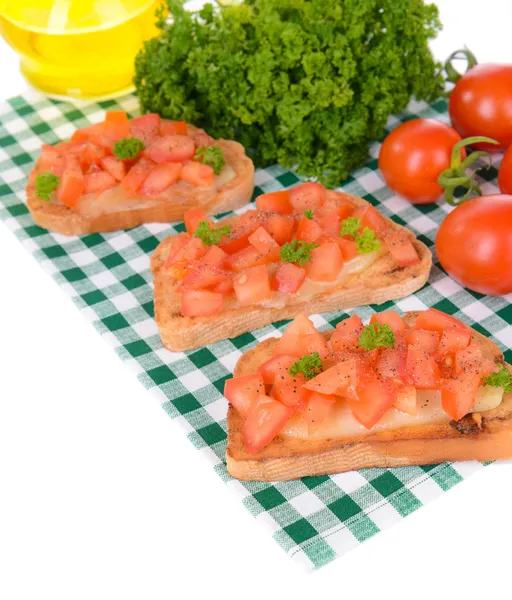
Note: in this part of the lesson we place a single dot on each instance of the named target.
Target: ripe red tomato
(474, 244)
(505, 173)
(481, 104)
(414, 155)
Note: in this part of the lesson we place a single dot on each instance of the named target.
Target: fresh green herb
(297, 252)
(502, 378)
(212, 156)
(309, 365)
(128, 148)
(209, 235)
(278, 75)
(45, 184)
(308, 213)
(367, 242)
(350, 226)
(376, 335)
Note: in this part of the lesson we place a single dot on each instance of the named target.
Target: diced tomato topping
(373, 399)
(235, 242)
(341, 379)
(276, 366)
(145, 128)
(287, 278)
(315, 342)
(401, 249)
(264, 421)
(391, 318)
(307, 196)
(265, 244)
(117, 124)
(246, 258)
(200, 303)
(98, 182)
(435, 320)
(171, 148)
(114, 166)
(202, 139)
(193, 217)
(289, 343)
(471, 360)
(72, 183)
(458, 395)
(294, 396)
(392, 362)
(177, 242)
(252, 285)
(428, 340)
(51, 160)
(308, 230)
(330, 224)
(406, 400)
(189, 252)
(453, 339)
(346, 336)
(242, 391)
(137, 175)
(197, 174)
(318, 408)
(278, 202)
(203, 276)
(91, 155)
(326, 262)
(160, 178)
(173, 128)
(422, 368)
(281, 228)
(370, 217)
(224, 287)
(214, 257)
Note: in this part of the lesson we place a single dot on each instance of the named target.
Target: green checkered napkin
(108, 278)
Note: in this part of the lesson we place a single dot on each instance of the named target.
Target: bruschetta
(416, 390)
(123, 172)
(303, 250)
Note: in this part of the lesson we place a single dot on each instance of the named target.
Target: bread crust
(381, 282)
(229, 196)
(480, 436)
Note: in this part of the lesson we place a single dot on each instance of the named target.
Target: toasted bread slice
(380, 282)
(161, 209)
(478, 436)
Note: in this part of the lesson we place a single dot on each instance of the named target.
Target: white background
(101, 496)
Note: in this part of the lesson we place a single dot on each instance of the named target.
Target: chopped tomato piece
(203, 276)
(370, 356)
(307, 196)
(341, 379)
(372, 401)
(406, 400)
(265, 244)
(276, 366)
(200, 303)
(348, 248)
(330, 224)
(371, 217)
(318, 408)
(224, 287)
(114, 166)
(435, 320)
(392, 362)
(179, 269)
(171, 148)
(391, 318)
(214, 257)
(458, 395)
(51, 160)
(246, 258)
(401, 249)
(197, 174)
(72, 183)
(242, 391)
(315, 342)
(278, 202)
(471, 360)
(294, 396)
(287, 278)
(98, 182)
(91, 155)
(145, 128)
(428, 340)
(289, 343)
(280, 228)
(252, 285)
(173, 128)
(160, 178)
(137, 175)
(193, 217)
(308, 230)
(192, 250)
(326, 262)
(235, 242)
(266, 418)
(117, 124)
(453, 339)
(422, 368)
(202, 139)
(177, 242)
(346, 336)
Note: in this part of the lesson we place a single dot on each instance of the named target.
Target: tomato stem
(452, 75)
(456, 175)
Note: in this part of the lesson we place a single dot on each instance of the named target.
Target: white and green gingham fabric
(108, 278)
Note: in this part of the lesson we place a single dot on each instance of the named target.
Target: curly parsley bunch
(300, 82)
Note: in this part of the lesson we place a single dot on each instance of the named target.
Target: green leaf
(377, 335)
(350, 226)
(367, 242)
(309, 365)
(45, 184)
(212, 156)
(502, 378)
(297, 252)
(209, 235)
(127, 148)
(309, 213)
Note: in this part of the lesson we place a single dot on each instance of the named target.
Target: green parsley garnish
(376, 335)
(211, 236)
(502, 378)
(297, 252)
(309, 365)
(128, 148)
(45, 184)
(366, 242)
(308, 213)
(212, 156)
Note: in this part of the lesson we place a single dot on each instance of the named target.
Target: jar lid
(71, 16)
